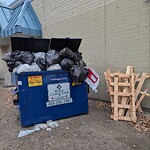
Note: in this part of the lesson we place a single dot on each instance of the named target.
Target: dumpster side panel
(33, 100)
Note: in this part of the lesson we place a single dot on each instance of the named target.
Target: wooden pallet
(124, 94)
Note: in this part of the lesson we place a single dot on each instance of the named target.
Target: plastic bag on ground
(54, 67)
(47, 126)
(52, 57)
(67, 53)
(41, 63)
(24, 133)
(52, 124)
(66, 64)
(92, 79)
(78, 74)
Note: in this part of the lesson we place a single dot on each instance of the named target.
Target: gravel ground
(94, 131)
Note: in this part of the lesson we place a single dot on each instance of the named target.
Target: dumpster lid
(60, 43)
(30, 44)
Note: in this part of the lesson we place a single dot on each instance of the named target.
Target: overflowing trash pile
(25, 61)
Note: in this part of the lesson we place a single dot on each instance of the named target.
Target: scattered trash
(38, 127)
(52, 124)
(48, 129)
(67, 128)
(24, 133)
(41, 126)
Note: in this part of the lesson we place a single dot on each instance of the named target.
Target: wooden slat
(107, 82)
(133, 109)
(121, 106)
(136, 77)
(120, 75)
(126, 89)
(138, 89)
(120, 93)
(122, 118)
(141, 98)
(139, 101)
(116, 98)
(111, 88)
(120, 84)
(146, 94)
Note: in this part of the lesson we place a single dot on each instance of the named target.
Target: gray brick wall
(115, 33)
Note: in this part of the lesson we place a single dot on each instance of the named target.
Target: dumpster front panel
(50, 95)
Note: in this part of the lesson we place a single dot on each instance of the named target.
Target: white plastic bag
(27, 68)
(39, 55)
(24, 68)
(35, 67)
(54, 67)
(15, 70)
(93, 79)
(24, 133)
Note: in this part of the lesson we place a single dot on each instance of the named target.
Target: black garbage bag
(23, 56)
(41, 62)
(80, 62)
(66, 64)
(67, 53)
(10, 69)
(78, 54)
(52, 57)
(78, 74)
(17, 63)
(11, 64)
(7, 57)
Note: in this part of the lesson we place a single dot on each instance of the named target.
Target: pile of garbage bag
(25, 61)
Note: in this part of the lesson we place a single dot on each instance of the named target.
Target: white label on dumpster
(19, 82)
(58, 94)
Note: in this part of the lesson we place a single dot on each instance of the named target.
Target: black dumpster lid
(30, 44)
(60, 43)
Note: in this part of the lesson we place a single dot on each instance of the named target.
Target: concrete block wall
(115, 33)
(5, 75)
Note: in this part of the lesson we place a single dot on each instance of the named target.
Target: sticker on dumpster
(58, 94)
(34, 80)
(19, 82)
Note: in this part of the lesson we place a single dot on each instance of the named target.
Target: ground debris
(102, 104)
(142, 124)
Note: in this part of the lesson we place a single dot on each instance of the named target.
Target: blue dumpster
(49, 95)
